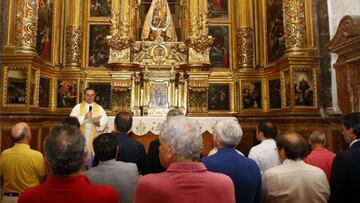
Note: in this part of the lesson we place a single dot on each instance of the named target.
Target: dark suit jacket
(130, 150)
(152, 163)
(345, 176)
(243, 171)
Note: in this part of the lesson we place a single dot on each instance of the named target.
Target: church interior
(294, 62)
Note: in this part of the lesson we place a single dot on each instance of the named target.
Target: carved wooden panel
(145, 139)
(338, 141)
(6, 139)
(207, 143)
(248, 140)
(346, 43)
(44, 132)
(34, 139)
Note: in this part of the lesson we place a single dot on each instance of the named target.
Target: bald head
(293, 144)
(317, 137)
(21, 132)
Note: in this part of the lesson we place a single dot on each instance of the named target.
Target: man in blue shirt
(243, 171)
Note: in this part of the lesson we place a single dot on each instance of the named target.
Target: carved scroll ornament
(73, 44)
(294, 23)
(245, 43)
(26, 24)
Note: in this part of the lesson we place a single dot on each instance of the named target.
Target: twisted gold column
(244, 33)
(74, 35)
(26, 24)
(295, 32)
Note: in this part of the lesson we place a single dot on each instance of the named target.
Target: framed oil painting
(15, 84)
(275, 94)
(303, 84)
(218, 8)
(103, 94)
(34, 87)
(219, 97)
(66, 93)
(251, 97)
(219, 51)
(275, 30)
(98, 46)
(44, 92)
(100, 8)
(44, 29)
(121, 99)
(159, 95)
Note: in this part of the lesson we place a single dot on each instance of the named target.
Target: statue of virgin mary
(158, 25)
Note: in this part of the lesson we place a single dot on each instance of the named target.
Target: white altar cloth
(144, 124)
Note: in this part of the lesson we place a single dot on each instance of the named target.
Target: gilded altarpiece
(150, 56)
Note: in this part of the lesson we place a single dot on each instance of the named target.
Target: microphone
(90, 108)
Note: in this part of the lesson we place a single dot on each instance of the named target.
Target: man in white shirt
(91, 116)
(294, 180)
(265, 154)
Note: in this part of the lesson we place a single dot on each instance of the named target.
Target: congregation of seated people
(282, 168)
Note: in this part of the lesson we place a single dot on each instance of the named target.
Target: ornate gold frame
(267, 88)
(314, 86)
(51, 84)
(231, 96)
(56, 95)
(262, 96)
(86, 44)
(5, 87)
(36, 87)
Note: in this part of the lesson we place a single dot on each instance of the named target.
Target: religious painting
(16, 85)
(275, 30)
(219, 97)
(103, 94)
(121, 99)
(34, 87)
(98, 46)
(275, 94)
(303, 92)
(219, 51)
(66, 93)
(158, 95)
(44, 29)
(44, 93)
(99, 8)
(251, 94)
(218, 8)
(287, 87)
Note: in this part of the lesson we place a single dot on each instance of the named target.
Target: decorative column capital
(73, 45)
(245, 45)
(26, 25)
(294, 17)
